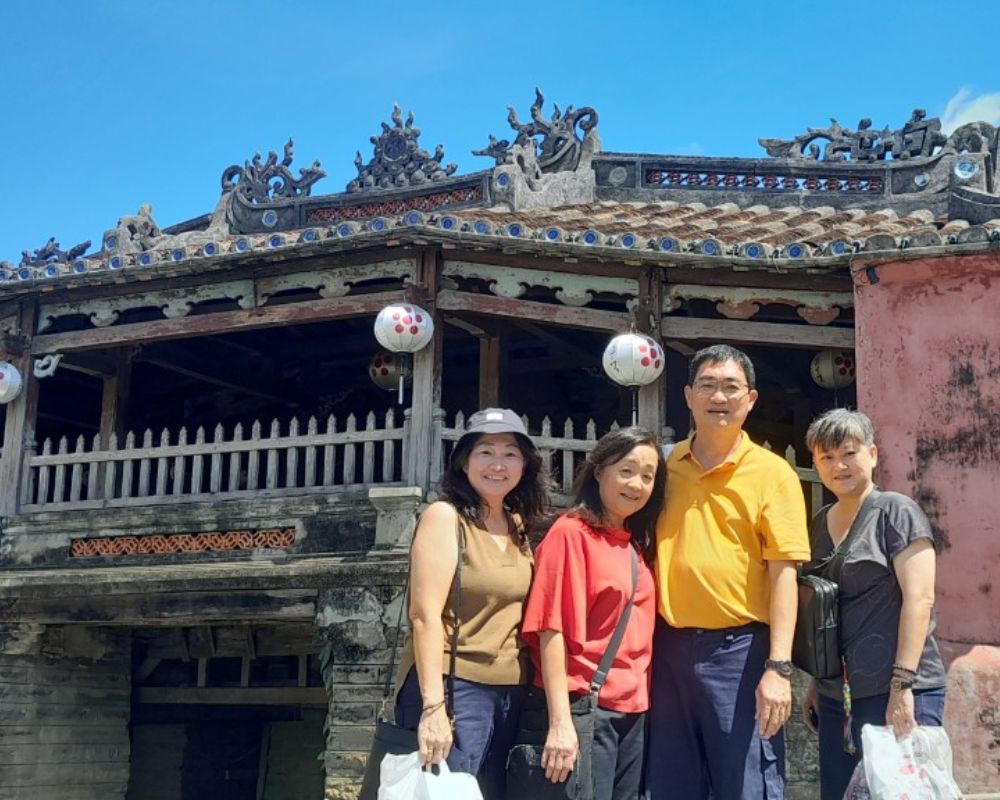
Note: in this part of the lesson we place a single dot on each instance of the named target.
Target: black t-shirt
(870, 597)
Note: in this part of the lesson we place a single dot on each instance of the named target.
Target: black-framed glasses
(729, 389)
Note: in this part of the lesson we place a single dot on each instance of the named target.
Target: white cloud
(965, 107)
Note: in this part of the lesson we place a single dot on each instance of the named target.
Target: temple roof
(825, 195)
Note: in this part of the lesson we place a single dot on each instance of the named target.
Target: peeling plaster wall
(928, 354)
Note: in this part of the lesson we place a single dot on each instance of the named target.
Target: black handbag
(390, 738)
(525, 776)
(816, 645)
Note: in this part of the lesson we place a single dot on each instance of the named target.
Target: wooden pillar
(652, 406)
(426, 395)
(22, 415)
(115, 396)
(490, 364)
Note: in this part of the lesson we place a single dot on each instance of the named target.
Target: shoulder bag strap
(456, 600)
(390, 673)
(601, 675)
(840, 554)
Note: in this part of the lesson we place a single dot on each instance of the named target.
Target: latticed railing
(290, 458)
(196, 464)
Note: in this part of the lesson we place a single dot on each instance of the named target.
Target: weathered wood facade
(199, 474)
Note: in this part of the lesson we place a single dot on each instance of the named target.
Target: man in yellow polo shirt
(727, 543)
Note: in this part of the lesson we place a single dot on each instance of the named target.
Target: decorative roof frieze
(399, 161)
(51, 253)
(918, 138)
(265, 181)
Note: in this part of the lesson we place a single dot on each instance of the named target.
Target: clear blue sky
(109, 104)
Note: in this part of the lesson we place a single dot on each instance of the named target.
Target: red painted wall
(928, 353)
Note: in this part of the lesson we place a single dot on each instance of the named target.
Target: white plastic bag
(401, 778)
(916, 767)
(857, 789)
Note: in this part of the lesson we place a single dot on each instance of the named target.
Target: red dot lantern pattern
(385, 370)
(403, 328)
(833, 369)
(10, 382)
(632, 359)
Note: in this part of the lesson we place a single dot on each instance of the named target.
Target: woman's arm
(561, 743)
(915, 569)
(433, 559)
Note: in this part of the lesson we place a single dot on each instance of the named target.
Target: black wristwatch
(783, 668)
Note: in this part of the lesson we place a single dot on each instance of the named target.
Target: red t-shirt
(583, 577)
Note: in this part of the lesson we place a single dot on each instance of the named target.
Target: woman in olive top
(494, 487)
(886, 584)
(583, 583)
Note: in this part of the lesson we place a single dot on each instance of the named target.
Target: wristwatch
(783, 668)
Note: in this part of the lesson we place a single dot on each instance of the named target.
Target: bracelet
(904, 670)
(431, 708)
(901, 684)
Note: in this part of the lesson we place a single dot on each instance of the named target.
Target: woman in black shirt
(892, 663)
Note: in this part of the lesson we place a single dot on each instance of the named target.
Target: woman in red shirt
(582, 584)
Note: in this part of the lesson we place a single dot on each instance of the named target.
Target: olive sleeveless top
(494, 586)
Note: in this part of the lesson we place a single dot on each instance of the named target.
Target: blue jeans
(835, 766)
(486, 720)
(703, 738)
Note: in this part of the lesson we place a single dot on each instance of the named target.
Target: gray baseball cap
(495, 420)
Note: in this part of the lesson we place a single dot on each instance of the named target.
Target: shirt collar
(683, 450)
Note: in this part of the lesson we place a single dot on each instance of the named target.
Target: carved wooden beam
(208, 324)
(568, 316)
(768, 333)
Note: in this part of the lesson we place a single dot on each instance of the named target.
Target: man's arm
(774, 693)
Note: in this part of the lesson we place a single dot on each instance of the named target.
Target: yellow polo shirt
(719, 529)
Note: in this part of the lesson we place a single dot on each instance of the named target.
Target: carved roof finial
(50, 253)
(398, 159)
(263, 181)
(559, 148)
(918, 138)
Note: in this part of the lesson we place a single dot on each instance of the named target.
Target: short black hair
(717, 354)
(837, 426)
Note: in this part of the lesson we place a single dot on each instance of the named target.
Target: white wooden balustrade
(198, 464)
(289, 458)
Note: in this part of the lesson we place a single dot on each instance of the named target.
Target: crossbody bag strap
(456, 604)
(832, 571)
(604, 667)
(389, 675)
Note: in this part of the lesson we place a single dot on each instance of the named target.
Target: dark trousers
(703, 738)
(835, 766)
(612, 747)
(486, 719)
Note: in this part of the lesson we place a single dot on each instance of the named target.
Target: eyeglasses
(730, 389)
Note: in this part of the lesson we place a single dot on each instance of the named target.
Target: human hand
(774, 703)
(560, 751)
(810, 707)
(899, 713)
(434, 736)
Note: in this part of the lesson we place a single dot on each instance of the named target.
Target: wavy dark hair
(610, 449)
(529, 499)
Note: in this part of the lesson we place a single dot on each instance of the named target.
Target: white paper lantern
(633, 360)
(833, 369)
(403, 328)
(386, 370)
(10, 382)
